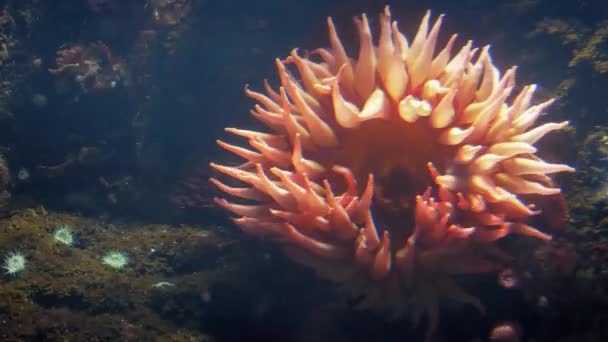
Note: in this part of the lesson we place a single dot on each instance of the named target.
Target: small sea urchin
(64, 235)
(14, 263)
(116, 259)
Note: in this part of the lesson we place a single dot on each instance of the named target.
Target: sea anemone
(116, 259)
(64, 235)
(14, 263)
(395, 172)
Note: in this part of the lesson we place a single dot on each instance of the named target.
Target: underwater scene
(281, 170)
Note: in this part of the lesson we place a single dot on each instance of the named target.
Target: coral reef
(397, 171)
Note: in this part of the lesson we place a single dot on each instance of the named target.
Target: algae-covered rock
(66, 290)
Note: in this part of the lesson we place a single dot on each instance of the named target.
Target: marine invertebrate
(163, 284)
(14, 263)
(116, 259)
(23, 175)
(394, 172)
(64, 235)
(93, 67)
(505, 332)
(169, 12)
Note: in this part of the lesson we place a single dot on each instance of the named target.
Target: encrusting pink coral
(396, 171)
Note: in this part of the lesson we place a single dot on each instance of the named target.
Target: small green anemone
(64, 235)
(14, 263)
(116, 259)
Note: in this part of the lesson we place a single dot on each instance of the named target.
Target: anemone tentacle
(392, 172)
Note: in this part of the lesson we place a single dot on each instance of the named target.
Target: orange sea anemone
(393, 172)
